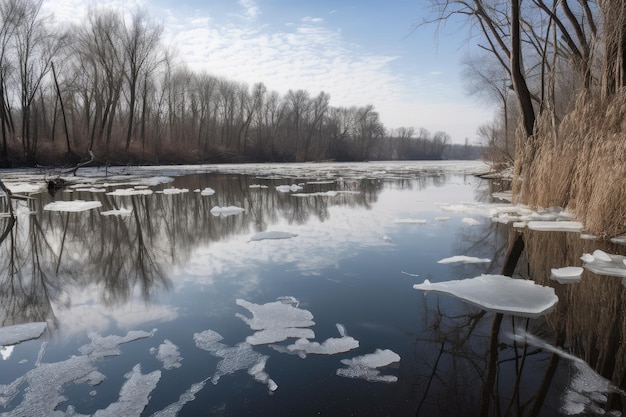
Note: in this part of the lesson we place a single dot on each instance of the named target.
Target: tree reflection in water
(463, 344)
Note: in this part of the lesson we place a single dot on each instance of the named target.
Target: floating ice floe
(470, 222)
(366, 366)
(567, 275)
(272, 235)
(18, 333)
(503, 195)
(173, 409)
(587, 390)
(226, 211)
(602, 263)
(410, 221)
(442, 218)
(387, 238)
(288, 188)
(154, 181)
(125, 192)
(117, 212)
(463, 259)
(95, 190)
(46, 382)
(318, 194)
(207, 191)
(276, 321)
(555, 226)
(621, 240)
(235, 358)
(23, 188)
(499, 293)
(174, 190)
(330, 346)
(72, 206)
(168, 354)
(259, 186)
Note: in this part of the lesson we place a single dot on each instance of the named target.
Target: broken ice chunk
(169, 355)
(555, 226)
(470, 222)
(18, 333)
(330, 346)
(567, 275)
(602, 263)
(274, 315)
(499, 293)
(264, 337)
(288, 188)
(226, 211)
(119, 212)
(207, 191)
(410, 221)
(72, 206)
(272, 235)
(365, 367)
(463, 259)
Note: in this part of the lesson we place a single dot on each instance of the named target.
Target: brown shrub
(579, 165)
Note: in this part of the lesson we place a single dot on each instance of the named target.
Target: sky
(360, 52)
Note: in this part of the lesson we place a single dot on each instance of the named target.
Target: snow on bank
(499, 293)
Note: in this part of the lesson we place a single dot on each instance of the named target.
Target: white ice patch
(123, 212)
(555, 226)
(621, 240)
(499, 293)
(567, 275)
(587, 390)
(258, 186)
(275, 315)
(463, 259)
(272, 235)
(47, 381)
(226, 211)
(330, 346)
(173, 409)
(602, 263)
(234, 358)
(503, 195)
(174, 190)
(134, 395)
(91, 190)
(410, 221)
(318, 194)
(207, 191)
(12, 335)
(168, 354)
(442, 218)
(470, 222)
(125, 192)
(365, 367)
(6, 351)
(267, 336)
(288, 188)
(72, 206)
(153, 181)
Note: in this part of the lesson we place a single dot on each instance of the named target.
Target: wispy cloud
(251, 10)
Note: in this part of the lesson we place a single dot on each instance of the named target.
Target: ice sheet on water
(567, 275)
(267, 336)
(11, 335)
(235, 358)
(94, 190)
(470, 221)
(134, 395)
(117, 212)
(23, 187)
(168, 354)
(260, 186)
(173, 409)
(602, 263)
(366, 366)
(272, 235)
(207, 191)
(587, 390)
(153, 181)
(125, 192)
(330, 193)
(288, 188)
(410, 221)
(174, 190)
(226, 211)
(463, 259)
(499, 293)
(555, 226)
(330, 346)
(72, 206)
(47, 381)
(275, 315)
(442, 218)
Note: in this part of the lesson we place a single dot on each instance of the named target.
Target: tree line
(110, 85)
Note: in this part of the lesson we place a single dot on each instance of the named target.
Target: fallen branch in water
(81, 164)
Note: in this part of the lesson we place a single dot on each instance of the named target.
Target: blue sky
(360, 52)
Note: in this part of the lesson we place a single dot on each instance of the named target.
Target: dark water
(173, 269)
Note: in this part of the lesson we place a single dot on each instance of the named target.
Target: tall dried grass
(579, 164)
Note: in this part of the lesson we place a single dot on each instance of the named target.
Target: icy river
(370, 289)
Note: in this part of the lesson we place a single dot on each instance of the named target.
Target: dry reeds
(579, 165)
